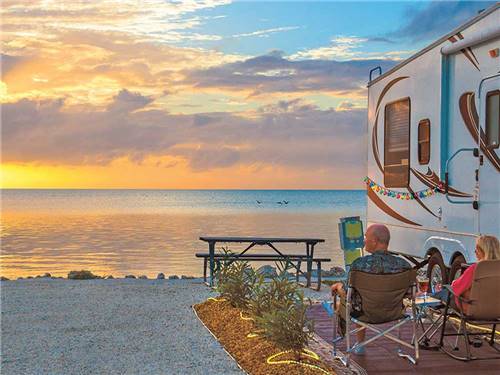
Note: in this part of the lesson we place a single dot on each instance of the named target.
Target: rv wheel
(436, 272)
(456, 268)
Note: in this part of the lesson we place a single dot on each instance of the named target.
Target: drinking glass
(423, 285)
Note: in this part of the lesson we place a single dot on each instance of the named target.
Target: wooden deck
(381, 358)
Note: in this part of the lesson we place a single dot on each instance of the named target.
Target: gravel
(114, 326)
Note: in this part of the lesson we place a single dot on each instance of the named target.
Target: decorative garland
(397, 194)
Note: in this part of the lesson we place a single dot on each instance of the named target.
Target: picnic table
(270, 242)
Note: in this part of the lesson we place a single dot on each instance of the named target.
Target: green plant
(288, 327)
(82, 275)
(258, 301)
(223, 266)
(236, 282)
(279, 293)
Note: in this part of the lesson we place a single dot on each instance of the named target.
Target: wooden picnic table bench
(296, 258)
(264, 241)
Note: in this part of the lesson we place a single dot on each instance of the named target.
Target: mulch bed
(251, 353)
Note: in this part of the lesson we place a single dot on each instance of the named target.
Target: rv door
(489, 160)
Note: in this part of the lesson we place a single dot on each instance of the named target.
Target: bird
(285, 202)
(258, 202)
(279, 202)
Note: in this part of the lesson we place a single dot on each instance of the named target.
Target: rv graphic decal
(384, 207)
(376, 156)
(432, 180)
(466, 51)
(471, 119)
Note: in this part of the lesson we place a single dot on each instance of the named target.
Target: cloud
(267, 32)
(380, 39)
(154, 20)
(275, 73)
(294, 134)
(345, 48)
(345, 105)
(437, 18)
(8, 62)
(341, 47)
(90, 67)
(127, 101)
(207, 157)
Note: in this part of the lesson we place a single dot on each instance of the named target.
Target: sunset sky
(198, 94)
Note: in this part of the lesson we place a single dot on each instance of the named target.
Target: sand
(107, 327)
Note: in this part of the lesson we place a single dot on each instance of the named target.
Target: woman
(487, 248)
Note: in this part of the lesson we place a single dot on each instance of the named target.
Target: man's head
(377, 237)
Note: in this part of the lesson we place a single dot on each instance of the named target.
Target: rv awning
(473, 39)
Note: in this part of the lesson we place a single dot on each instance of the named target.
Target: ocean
(145, 232)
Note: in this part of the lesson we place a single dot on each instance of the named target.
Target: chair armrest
(460, 298)
(448, 288)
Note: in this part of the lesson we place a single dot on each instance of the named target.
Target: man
(379, 261)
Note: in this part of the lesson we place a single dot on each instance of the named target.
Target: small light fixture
(494, 52)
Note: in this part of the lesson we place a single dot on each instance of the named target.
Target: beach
(120, 326)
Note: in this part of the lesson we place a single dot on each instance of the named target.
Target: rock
(3, 278)
(333, 272)
(267, 271)
(161, 276)
(110, 277)
(81, 275)
(130, 277)
(47, 275)
(337, 271)
(143, 277)
(184, 277)
(173, 277)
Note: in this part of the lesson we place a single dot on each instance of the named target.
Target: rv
(433, 147)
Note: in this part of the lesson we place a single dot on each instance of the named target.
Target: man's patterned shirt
(380, 262)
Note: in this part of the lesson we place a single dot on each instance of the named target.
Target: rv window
(493, 118)
(424, 141)
(397, 144)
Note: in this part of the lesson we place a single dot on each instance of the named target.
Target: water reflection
(121, 244)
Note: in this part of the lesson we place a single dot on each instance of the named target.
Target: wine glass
(423, 285)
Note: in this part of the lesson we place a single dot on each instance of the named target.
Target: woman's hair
(490, 247)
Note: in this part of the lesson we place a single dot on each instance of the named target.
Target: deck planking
(381, 357)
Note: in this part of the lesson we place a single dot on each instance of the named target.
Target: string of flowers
(398, 194)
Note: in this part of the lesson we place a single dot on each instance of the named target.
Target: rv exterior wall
(433, 222)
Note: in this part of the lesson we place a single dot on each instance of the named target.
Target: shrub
(82, 275)
(279, 293)
(258, 301)
(288, 327)
(236, 282)
(224, 266)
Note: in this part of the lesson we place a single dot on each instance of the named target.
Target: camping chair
(483, 309)
(381, 297)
